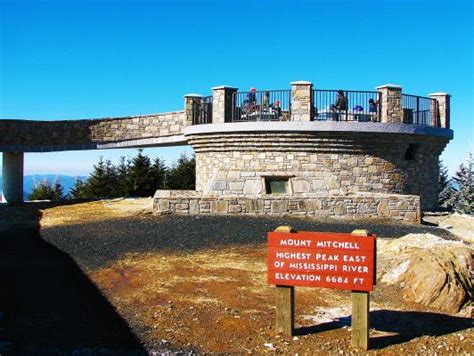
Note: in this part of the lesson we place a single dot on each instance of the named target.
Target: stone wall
(319, 163)
(28, 135)
(357, 206)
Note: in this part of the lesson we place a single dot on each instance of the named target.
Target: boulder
(430, 270)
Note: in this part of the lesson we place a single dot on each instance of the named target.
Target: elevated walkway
(126, 132)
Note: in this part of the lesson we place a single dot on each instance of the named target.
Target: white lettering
(324, 257)
(358, 269)
(297, 277)
(348, 258)
(338, 244)
(295, 242)
(293, 255)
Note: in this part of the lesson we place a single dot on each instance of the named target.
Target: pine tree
(47, 191)
(140, 177)
(78, 191)
(123, 187)
(158, 173)
(445, 187)
(183, 174)
(58, 191)
(463, 196)
(101, 183)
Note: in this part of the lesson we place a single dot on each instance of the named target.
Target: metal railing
(202, 111)
(420, 110)
(267, 105)
(346, 105)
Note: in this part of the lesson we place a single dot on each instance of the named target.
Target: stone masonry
(324, 168)
(222, 103)
(391, 105)
(85, 134)
(321, 164)
(399, 207)
(444, 102)
(301, 101)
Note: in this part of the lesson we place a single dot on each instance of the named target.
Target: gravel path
(94, 244)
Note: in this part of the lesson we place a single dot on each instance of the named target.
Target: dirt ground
(186, 284)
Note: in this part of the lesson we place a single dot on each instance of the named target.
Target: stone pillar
(301, 101)
(191, 105)
(12, 177)
(222, 104)
(391, 103)
(443, 110)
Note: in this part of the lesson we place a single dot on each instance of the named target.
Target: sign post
(285, 301)
(360, 311)
(321, 259)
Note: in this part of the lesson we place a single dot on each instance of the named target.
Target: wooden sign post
(319, 259)
(360, 310)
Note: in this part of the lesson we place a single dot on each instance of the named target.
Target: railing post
(301, 101)
(443, 110)
(190, 101)
(222, 105)
(391, 103)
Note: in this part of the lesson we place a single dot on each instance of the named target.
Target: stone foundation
(358, 206)
(321, 163)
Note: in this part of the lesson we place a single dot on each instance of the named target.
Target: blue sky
(87, 59)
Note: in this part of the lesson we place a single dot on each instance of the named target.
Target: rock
(383, 209)
(432, 271)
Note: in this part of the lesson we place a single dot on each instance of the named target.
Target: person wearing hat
(250, 102)
(251, 97)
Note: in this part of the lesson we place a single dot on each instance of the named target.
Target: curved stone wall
(39, 136)
(322, 163)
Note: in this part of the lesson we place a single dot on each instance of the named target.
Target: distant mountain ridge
(29, 182)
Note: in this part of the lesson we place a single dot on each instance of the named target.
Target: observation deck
(374, 152)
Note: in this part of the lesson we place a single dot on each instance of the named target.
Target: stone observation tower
(302, 151)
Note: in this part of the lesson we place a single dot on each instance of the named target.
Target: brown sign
(321, 259)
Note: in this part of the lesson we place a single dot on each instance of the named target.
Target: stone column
(391, 103)
(443, 109)
(191, 104)
(12, 177)
(222, 105)
(301, 101)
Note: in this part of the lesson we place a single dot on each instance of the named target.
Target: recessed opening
(276, 185)
(412, 150)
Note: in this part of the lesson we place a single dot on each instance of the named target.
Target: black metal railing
(202, 110)
(346, 105)
(267, 105)
(420, 110)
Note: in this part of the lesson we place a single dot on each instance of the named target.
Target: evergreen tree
(47, 191)
(445, 187)
(123, 187)
(183, 174)
(101, 183)
(140, 176)
(58, 191)
(463, 195)
(78, 191)
(158, 173)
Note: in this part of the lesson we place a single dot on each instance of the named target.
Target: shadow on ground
(94, 244)
(403, 326)
(47, 304)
